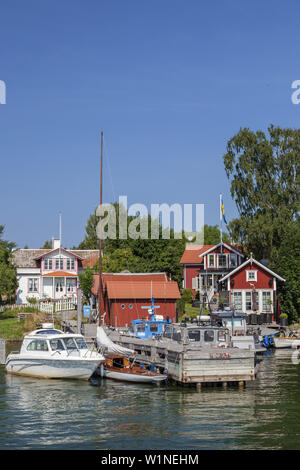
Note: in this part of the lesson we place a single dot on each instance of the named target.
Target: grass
(191, 312)
(11, 328)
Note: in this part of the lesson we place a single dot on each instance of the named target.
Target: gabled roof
(128, 277)
(229, 247)
(253, 261)
(193, 254)
(58, 249)
(142, 290)
(28, 258)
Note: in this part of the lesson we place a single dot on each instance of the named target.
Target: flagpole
(221, 224)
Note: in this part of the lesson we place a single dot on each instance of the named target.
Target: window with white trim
(195, 283)
(47, 263)
(237, 300)
(266, 302)
(251, 276)
(222, 261)
(211, 261)
(232, 260)
(248, 300)
(59, 263)
(70, 263)
(32, 284)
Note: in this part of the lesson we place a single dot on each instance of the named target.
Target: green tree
(86, 280)
(287, 263)
(212, 235)
(264, 174)
(47, 244)
(90, 241)
(8, 278)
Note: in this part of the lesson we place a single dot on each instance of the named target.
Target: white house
(50, 273)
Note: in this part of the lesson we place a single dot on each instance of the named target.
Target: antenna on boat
(100, 238)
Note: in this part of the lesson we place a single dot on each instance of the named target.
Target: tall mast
(100, 306)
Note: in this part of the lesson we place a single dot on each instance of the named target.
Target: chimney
(55, 243)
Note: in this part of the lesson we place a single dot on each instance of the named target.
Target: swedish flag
(222, 210)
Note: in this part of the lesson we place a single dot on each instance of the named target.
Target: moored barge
(191, 354)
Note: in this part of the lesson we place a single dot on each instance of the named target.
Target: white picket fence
(46, 307)
(59, 306)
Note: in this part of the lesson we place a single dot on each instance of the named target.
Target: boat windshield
(48, 332)
(70, 343)
(237, 322)
(194, 335)
(57, 345)
(81, 344)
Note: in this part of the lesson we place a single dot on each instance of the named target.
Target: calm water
(57, 414)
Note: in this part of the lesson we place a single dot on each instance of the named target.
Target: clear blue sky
(169, 82)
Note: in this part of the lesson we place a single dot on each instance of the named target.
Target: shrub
(187, 295)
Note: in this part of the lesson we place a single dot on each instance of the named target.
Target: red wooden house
(221, 274)
(124, 295)
(251, 288)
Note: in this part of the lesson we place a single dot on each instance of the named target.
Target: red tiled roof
(192, 254)
(128, 277)
(59, 274)
(142, 290)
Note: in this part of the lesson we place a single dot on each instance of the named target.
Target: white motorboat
(286, 342)
(50, 353)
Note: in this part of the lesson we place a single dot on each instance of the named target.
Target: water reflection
(113, 415)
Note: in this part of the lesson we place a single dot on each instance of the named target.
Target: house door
(59, 287)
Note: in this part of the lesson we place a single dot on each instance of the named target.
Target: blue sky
(169, 82)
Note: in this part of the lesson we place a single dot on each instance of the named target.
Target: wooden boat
(117, 367)
(286, 342)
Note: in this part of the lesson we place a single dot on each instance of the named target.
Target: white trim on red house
(226, 246)
(251, 260)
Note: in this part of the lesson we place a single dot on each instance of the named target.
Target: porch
(60, 285)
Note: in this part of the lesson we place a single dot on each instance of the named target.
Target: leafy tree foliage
(8, 279)
(287, 263)
(264, 175)
(86, 280)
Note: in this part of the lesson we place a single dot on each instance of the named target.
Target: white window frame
(236, 261)
(226, 260)
(241, 297)
(208, 260)
(59, 263)
(47, 264)
(248, 279)
(248, 292)
(34, 281)
(269, 308)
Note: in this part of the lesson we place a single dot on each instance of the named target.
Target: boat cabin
(148, 328)
(117, 362)
(207, 336)
(53, 341)
(228, 318)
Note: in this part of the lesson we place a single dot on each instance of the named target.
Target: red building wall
(263, 278)
(123, 317)
(190, 273)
